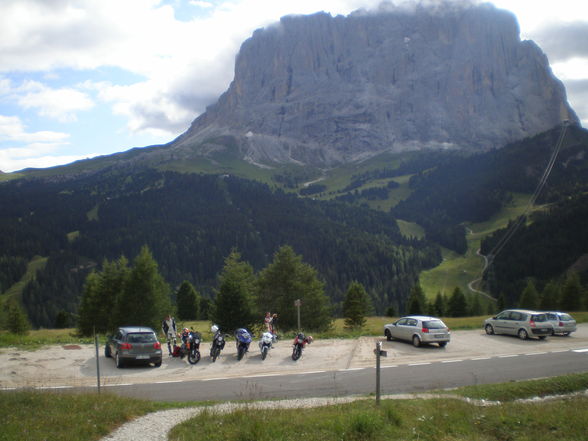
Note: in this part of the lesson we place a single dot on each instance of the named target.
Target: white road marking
(418, 364)
(169, 381)
(481, 358)
(580, 350)
(537, 353)
(451, 361)
(508, 356)
(261, 375)
(351, 369)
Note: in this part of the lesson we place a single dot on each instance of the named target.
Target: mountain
(321, 90)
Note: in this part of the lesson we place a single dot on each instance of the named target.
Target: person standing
(168, 326)
(267, 321)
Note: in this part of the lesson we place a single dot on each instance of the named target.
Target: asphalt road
(395, 379)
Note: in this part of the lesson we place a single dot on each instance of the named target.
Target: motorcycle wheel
(194, 357)
(264, 352)
(296, 353)
(240, 352)
(214, 354)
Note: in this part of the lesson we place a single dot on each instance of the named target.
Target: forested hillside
(191, 223)
(471, 189)
(554, 242)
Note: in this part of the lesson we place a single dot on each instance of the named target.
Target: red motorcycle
(298, 346)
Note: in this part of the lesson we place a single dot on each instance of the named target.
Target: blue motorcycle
(243, 340)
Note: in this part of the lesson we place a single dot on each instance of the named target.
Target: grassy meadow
(62, 416)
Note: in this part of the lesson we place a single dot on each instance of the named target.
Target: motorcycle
(191, 348)
(242, 340)
(218, 343)
(265, 343)
(298, 346)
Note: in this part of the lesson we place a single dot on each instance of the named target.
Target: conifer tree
(188, 302)
(287, 279)
(417, 302)
(529, 297)
(550, 296)
(457, 305)
(475, 306)
(234, 302)
(440, 305)
(356, 306)
(16, 319)
(571, 293)
(146, 296)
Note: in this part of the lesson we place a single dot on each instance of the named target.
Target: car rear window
(566, 317)
(539, 317)
(434, 324)
(143, 337)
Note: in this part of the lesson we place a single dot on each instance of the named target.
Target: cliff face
(323, 90)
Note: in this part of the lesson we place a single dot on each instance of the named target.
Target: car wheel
(388, 335)
(523, 335)
(489, 330)
(542, 337)
(107, 352)
(158, 363)
(416, 341)
(118, 361)
(442, 344)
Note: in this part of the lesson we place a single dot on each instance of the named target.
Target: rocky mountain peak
(324, 90)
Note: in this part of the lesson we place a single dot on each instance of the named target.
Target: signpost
(297, 303)
(379, 353)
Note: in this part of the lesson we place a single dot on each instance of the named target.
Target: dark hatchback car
(134, 344)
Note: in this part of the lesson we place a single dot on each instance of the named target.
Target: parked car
(134, 344)
(418, 329)
(563, 323)
(520, 322)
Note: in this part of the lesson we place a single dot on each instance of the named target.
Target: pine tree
(188, 302)
(287, 279)
(440, 305)
(457, 305)
(417, 302)
(146, 296)
(475, 307)
(550, 296)
(529, 297)
(234, 302)
(356, 306)
(16, 319)
(571, 293)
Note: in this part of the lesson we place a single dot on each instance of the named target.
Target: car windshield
(434, 324)
(539, 317)
(143, 337)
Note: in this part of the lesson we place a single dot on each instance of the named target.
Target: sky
(81, 78)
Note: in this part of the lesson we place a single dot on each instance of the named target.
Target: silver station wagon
(563, 324)
(520, 322)
(418, 329)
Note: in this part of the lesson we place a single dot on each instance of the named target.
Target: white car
(418, 329)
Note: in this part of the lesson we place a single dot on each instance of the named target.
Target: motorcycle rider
(168, 326)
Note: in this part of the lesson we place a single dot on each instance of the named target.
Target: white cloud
(27, 149)
(11, 161)
(59, 104)
(201, 4)
(12, 129)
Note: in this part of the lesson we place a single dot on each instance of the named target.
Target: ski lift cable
(540, 185)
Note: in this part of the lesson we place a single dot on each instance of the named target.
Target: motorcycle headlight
(197, 340)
